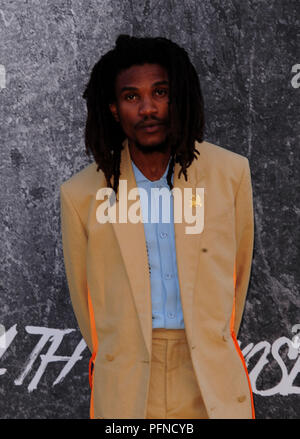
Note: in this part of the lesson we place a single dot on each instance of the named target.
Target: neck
(152, 164)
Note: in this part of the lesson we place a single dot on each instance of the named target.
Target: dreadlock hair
(104, 136)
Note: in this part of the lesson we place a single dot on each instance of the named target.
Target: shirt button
(168, 276)
(163, 235)
(171, 315)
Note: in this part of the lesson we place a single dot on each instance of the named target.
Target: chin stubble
(148, 149)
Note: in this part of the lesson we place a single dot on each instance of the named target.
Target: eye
(129, 96)
(162, 91)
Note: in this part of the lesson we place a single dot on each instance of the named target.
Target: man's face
(142, 98)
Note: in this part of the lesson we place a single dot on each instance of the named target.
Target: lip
(151, 129)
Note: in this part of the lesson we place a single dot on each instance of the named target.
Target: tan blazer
(108, 277)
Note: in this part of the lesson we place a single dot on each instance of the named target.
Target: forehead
(140, 76)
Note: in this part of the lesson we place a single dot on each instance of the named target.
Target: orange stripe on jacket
(95, 349)
(237, 345)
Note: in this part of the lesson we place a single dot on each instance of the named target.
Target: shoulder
(220, 166)
(219, 154)
(216, 159)
(83, 184)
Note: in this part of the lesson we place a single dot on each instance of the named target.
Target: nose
(147, 106)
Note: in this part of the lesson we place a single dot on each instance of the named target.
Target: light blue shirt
(160, 241)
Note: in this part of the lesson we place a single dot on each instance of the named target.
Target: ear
(114, 111)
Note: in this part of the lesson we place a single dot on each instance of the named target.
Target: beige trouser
(174, 392)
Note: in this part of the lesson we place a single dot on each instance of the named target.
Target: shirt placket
(167, 269)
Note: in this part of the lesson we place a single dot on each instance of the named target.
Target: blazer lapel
(188, 245)
(132, 243)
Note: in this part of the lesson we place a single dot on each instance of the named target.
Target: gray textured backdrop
(247, 56)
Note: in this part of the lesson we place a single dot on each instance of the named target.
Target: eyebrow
(135, 88)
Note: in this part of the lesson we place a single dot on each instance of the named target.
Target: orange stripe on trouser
(237, 345)
(95, 349)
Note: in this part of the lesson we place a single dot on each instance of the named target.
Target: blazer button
(241, 398)
(109, 357)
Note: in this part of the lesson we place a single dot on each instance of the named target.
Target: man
(159, 305)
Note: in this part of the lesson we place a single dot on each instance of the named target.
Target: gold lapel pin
(195, 201)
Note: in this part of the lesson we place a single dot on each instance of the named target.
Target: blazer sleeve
(74, 241)
(244, 230)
